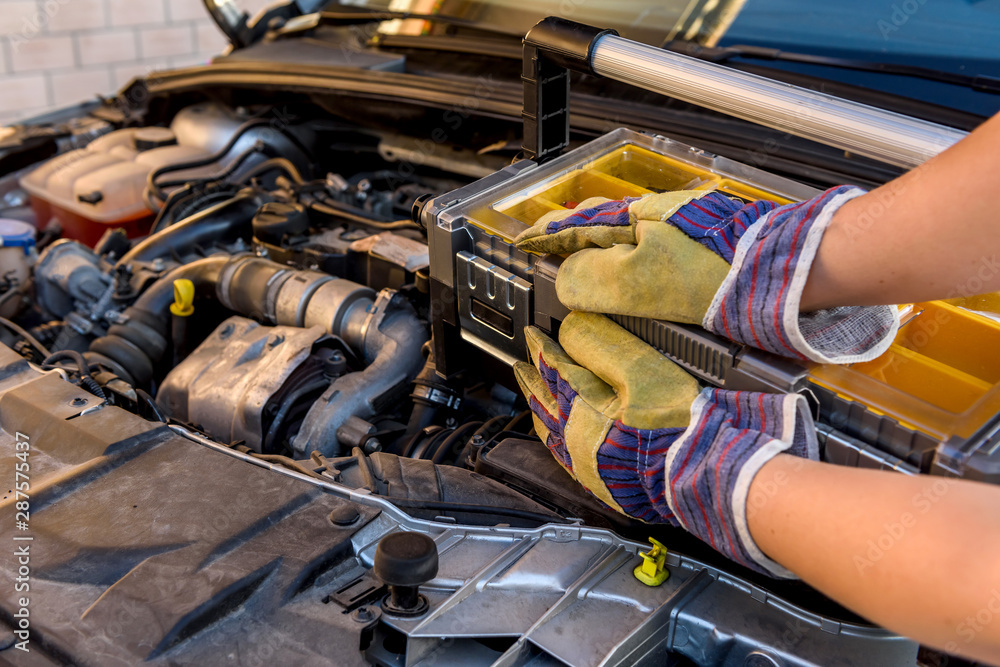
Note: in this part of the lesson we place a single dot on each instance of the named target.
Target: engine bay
(253, 336)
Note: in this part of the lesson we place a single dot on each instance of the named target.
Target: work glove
(703, 258)
(641, 435)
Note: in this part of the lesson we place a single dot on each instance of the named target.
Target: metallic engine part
(356, 432)
(390, 338)
(226, 384)
(68, 273)
(264, 289)
(401, 251)
(387, 334)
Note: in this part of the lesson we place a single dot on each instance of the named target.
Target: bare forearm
(929, 234)
(918, 555)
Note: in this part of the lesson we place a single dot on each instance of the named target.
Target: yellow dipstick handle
(183, 305)
(653, 571)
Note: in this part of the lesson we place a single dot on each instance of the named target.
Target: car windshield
(703, 21)
(955, 36)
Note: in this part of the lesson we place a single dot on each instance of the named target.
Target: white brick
(41, 53)
(107, 46)
(20, 18)
(210, 38)
(160, 42)
(23, 92)
(78, 15)
(186, 10)
(80, 85)
(136, 12)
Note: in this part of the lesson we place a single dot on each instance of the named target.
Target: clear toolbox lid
(620, 164)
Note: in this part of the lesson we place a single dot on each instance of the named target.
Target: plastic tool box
(931, 403)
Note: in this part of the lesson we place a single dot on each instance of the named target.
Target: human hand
(704, 258)
(638, 432)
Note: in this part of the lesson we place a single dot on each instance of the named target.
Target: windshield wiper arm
(985, 84)
(347, 15)
(235, 23)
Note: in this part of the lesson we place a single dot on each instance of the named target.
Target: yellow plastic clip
(183, 305)
(653, 571)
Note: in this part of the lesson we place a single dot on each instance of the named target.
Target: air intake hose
(134, 349)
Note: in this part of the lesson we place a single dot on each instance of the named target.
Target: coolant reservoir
(17, 254)
(99, 187)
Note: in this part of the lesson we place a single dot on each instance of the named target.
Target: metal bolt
(78, 402)
(365, 615)
(159, 264)
(371, 445)
(757, 659)
(335, 364)
(478, 440)
(344, 516)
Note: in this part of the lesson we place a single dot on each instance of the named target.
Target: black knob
(404, 561)
(417, 210)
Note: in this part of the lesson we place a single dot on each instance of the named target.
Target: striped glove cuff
(708, 470)
(758, 302)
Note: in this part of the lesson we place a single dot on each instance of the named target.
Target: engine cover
(150, 544)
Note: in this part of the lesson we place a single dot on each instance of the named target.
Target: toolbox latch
(494, 306)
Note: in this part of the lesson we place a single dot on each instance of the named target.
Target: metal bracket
(494, 306)
(552, 48)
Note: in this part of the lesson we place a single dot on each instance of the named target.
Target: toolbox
(499, 289)
(930, 404)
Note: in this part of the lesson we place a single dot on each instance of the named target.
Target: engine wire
(282, 163)
(17, 329)
(86, 379)
(357, 218)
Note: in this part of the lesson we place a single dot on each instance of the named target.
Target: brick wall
(59, 52)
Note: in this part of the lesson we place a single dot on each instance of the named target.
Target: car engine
(269, 417)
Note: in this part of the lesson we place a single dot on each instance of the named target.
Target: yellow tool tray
(628, 171)
(941, 375)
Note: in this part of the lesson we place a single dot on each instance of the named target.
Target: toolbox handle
(556, 45)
